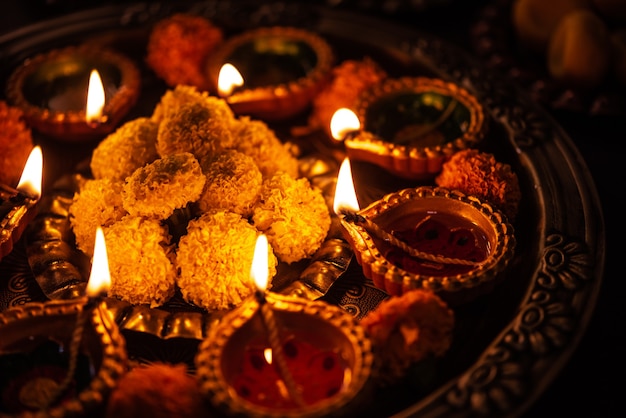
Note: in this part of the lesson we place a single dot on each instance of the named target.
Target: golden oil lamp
(18, 206)
(426, 237)
(271, 73)
(411, 125)
(63, 357)
(279, 356)
(52, 91)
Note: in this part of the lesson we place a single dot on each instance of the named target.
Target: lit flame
(267, 353)
(260, 266)
(30, 182)
(228, 78)
(95, 98)
(345, 194)
(343, 122)
(100, 277)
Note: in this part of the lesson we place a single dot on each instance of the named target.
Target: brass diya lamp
(35, 357)
(412, 125)
(51, 90)
(279, 356)
(279, 71)
(18, 206)
(426, 237)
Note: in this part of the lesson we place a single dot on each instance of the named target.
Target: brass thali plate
(507, 345)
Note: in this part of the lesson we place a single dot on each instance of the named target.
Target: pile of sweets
(193, 166)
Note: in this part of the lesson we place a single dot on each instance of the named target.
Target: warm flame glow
(343, 122)
(95, 98)
(267, 353)
(100, 277)
(260, 266)
(345, 194)
(30, 182)
(228, 78)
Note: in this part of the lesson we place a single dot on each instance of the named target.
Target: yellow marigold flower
(214, 260)
(96, 203)
(198, 128)
(294, 216)
(128, 148)
(233, 182)
(172, 99)
(164, 185)
(256, 139)
(139, 253)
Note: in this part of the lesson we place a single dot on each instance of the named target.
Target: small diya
(428, 237)
(18, 206)
(281, 70)
(35, 358)
(51, 90)
(279, 356)
(326, 350)
(412, 125)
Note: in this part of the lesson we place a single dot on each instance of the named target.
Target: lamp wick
(374, 229)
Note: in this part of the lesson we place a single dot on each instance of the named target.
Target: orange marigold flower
(407, 329)
(178, 47)
(16, 143)
(479, 174)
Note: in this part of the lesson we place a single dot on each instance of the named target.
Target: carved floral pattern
(568, 262)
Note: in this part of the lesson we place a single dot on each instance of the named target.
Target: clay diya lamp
(426, 237)
(279, 356)
(63, 357)
(35, 358)
(410, 126)
(18, 206)
(278, 71)
(52, 88)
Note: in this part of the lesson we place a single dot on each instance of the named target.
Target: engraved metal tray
(508, 345)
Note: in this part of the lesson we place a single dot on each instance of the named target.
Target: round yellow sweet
(579, 52)
(534, 21)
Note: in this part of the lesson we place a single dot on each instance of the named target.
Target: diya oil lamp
(426, 237)
(63, 357)
(279, 356)
(52, 91)
(276, 71)
(412, 125)
(18, 206)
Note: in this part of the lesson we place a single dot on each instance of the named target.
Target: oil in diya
(18, 206)
(52, 91)
(426, 237)
(277, 71)
(283, 356)
(63, 357)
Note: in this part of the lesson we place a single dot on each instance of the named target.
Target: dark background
(592, 381)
